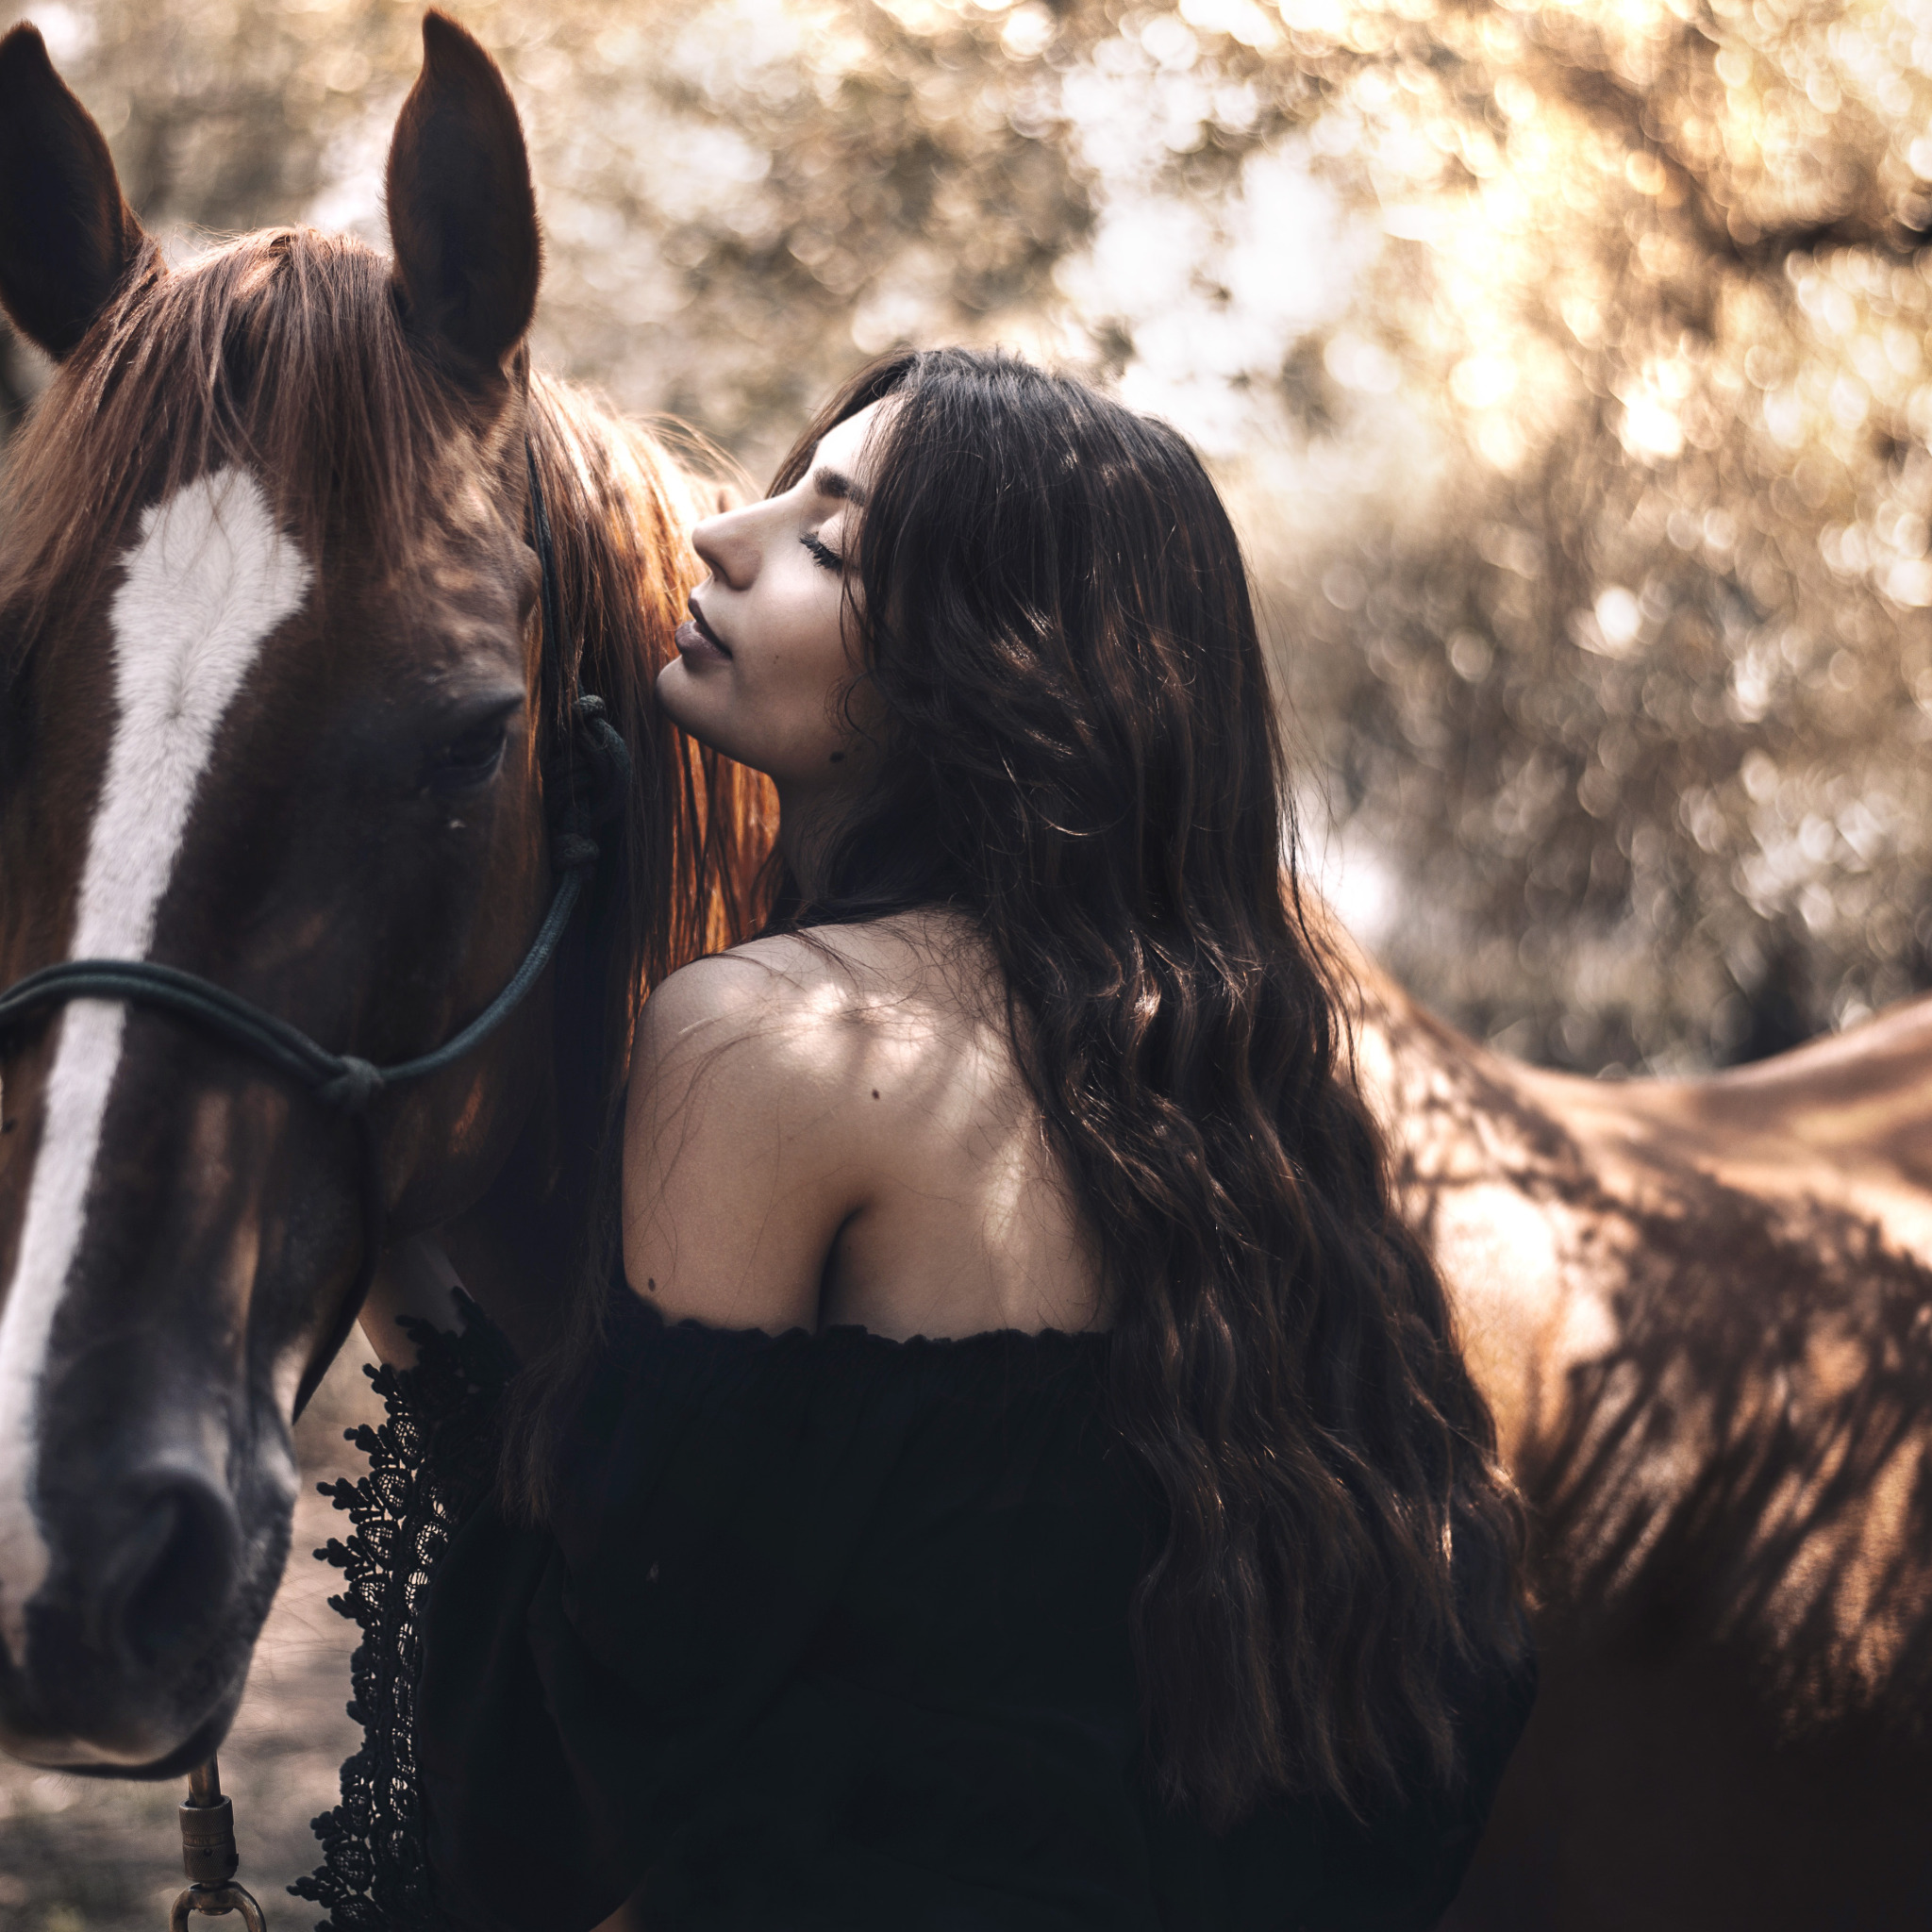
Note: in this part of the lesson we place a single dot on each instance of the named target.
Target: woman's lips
(696, 639)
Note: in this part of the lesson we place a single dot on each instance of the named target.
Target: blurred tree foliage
(1567, 364)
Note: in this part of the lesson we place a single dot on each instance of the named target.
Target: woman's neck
(808, 822)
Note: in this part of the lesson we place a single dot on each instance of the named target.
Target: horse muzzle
(131, 1601)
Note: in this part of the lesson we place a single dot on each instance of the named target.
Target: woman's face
(761, 668)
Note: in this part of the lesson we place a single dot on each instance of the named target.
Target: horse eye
(470, 759)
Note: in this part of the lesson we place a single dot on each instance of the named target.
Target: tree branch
(1596, 92)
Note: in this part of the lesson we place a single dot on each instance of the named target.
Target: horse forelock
(282, 352)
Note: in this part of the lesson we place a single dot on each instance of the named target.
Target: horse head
(275, 711)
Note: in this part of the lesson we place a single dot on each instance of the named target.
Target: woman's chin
(696, 705)
(682, 701)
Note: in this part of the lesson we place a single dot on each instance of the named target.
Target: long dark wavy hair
(1081, 754)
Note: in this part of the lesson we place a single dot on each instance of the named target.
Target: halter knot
(354, 1087)
(571, 852)
(609, 758)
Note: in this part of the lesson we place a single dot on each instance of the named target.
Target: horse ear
(67, 236)
(462, 216)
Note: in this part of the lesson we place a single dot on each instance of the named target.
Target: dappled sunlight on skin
(886, 1042)
(958, 1083)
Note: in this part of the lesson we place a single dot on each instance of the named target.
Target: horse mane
(283, 351)
(690, 879)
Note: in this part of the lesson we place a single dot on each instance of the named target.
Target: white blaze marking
(208, 580)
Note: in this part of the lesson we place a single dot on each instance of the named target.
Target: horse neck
(522, 1250)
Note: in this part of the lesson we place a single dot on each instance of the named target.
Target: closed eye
(825, 558)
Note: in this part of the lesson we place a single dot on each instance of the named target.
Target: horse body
(1703, 1313)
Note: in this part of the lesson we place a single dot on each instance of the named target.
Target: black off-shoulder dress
(829, 1632)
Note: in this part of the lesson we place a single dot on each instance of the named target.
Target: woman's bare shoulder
(789, 986)
(773, 988)
(778, 1019)
(833, 1126)
(738, 1150)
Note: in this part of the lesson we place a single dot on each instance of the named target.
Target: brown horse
(277, 709)
(1703, 1312)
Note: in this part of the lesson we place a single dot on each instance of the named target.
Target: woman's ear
(462, 216)
(68, 239)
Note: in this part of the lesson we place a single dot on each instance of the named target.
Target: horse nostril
(174, 1571)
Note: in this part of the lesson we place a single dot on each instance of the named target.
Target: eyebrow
(836, 483)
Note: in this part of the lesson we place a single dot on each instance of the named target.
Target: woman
(1026, 1476)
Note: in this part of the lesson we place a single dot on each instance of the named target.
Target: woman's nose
(724, 545)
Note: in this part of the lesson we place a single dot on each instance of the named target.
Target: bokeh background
(1566, 362)
(1567, 365)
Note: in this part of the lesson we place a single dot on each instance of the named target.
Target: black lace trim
(431, 1461)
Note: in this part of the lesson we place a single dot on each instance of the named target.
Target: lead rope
(208, 1855)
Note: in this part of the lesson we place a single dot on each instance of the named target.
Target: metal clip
(215, 1900)
(208, 1855)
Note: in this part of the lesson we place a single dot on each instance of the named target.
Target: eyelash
(825, 557)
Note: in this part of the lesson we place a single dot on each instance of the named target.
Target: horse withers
(277, 709)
